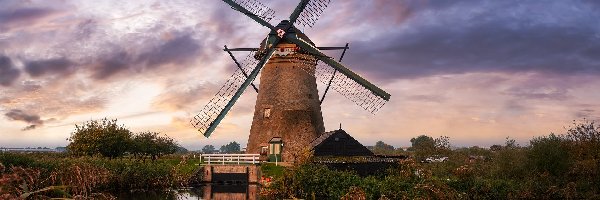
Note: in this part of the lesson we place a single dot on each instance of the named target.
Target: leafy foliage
(102, 137)
(208, 149)
(150, 144)
(381, 148)
(565, 166)
(106, 138)
(232, 147)
(424, 146)
(549, 154)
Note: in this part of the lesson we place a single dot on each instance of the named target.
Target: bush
(103, 137)
(309, 181)
(549, 154)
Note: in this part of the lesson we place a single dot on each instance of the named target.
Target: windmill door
(275, 149)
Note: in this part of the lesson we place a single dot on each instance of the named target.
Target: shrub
(549, 154)
(311, 181)
(103, 137)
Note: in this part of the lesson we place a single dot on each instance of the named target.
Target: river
(209, 191)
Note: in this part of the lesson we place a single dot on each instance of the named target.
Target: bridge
(231, 168)
(230, 159)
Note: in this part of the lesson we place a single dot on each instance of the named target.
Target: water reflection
(209, 191)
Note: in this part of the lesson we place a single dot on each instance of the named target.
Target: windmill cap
(292, 30)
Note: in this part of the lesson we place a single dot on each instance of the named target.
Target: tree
(181, 150)
(166, 145)
(442, 145)
(423, 146)
(585, 137)
(496, 147)
(102, 137)
(549, 154)
(150, 144)
(382, 148)
(232, 147)
(208, 149)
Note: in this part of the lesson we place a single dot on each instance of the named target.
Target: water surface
(209, 191)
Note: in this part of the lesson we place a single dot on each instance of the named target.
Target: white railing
(230, 158)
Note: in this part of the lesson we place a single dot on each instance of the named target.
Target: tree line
(108, 139)
(554, 166)
(232, 147)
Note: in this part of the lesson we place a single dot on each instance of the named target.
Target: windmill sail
(347, 83)
(312, 12)
(347, 87)
(216, 109)
(208, 115)
(253, 9)
(256, 8)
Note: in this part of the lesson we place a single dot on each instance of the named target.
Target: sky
(475, 71)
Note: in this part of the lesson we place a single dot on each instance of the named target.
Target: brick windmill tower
(287, 115)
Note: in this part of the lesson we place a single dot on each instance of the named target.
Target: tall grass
(87, 176)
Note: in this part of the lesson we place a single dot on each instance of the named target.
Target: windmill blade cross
(256, 49)
(339, 67)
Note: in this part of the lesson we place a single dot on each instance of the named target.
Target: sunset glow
(477, 72)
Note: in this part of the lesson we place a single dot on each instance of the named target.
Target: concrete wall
(253, 171)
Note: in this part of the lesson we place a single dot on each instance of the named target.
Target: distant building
(60, 149)
(27, 150)
(340, 151)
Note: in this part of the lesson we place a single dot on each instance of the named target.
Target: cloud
(8, 72)
(23, 16)
(184, 97)
(19, 115)
(178, 50)
(427, 98)
(19, 16)
(544, 92)
(111, 65)
(30, 85)
(60, 66)
(30, 127)
(485, 37)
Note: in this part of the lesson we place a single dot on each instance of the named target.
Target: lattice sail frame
(257, 8)
(344, 85)
(209, 113)
(312, 12)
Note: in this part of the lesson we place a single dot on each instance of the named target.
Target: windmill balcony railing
(229, 159)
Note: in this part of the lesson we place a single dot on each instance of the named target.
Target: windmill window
(264, 150)
(267, 113)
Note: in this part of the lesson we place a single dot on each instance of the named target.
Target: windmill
(288, 108)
